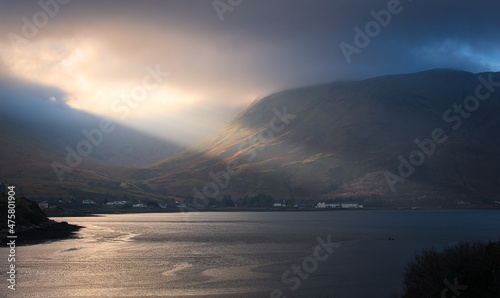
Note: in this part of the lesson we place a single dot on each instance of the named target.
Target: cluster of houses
(117, 203)
(282, 204)
(344, 205)
(322, 205)
(139, 205)
(45, 204)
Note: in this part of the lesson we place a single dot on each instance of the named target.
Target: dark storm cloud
(297, 42)
(262, 46)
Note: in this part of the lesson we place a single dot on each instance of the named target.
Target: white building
(327, 205)
(346, 205)
(351, 205)
(117, 203)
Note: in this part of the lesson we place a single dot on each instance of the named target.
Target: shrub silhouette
(469, 269)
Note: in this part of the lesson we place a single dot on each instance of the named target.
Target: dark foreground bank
(468, 270)
(25, 222)
(49, 231)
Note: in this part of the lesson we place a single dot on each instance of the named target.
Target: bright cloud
(96, 52)
(454, 51)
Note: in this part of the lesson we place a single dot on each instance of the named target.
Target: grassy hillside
(334, 141)
(341, 139)
(32, 144)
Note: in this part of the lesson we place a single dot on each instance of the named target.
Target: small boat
(390, 238)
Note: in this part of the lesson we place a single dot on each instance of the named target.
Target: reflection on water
(240, 254)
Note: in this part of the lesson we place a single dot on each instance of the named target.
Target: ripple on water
(70, 249)
(177, 268)
(235, 273)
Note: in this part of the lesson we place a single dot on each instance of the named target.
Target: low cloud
(94, 52)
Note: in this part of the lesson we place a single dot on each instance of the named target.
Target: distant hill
(50, 150)
(345, 141)
(123, 146)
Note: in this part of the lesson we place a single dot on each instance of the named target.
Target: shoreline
(263, 209)
(48, 231)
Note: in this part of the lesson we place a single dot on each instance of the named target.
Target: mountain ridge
(337, 147)
(333, 141)
(50, 150)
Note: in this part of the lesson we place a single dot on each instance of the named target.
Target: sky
(182, 69)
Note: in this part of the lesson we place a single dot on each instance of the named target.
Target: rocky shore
(28, 222)
(48, 231)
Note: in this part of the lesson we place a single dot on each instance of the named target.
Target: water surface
(239, 254)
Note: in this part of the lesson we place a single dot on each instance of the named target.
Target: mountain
(49, 150)
(425, 139)
(406, 140)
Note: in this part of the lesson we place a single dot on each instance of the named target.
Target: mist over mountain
(47, 145)
(412, 139)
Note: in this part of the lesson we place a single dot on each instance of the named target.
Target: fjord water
(239, 254)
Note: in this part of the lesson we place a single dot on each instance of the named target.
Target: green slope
(342, 139)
